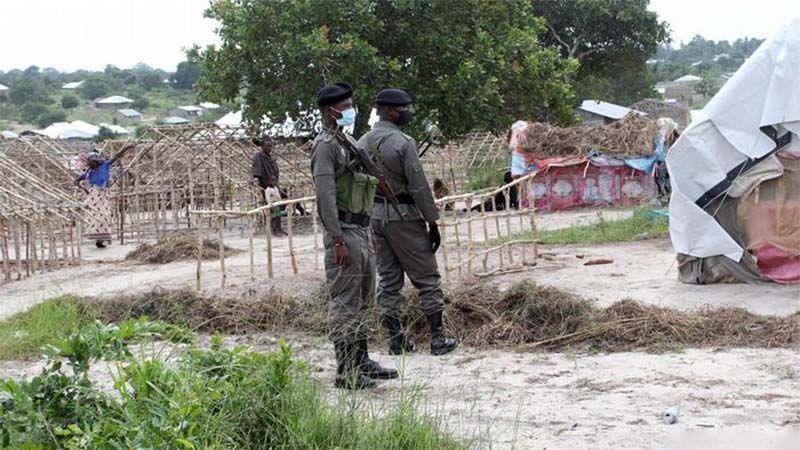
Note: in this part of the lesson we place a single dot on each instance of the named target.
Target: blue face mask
(348, 117)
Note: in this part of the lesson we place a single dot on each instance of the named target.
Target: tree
(31, 111)
(140, 103)
(185, 76)
(69, 101)
(611, 39)
(94, 88)
(149, 80)
(50, 117)
(28, 90)
(475, 66)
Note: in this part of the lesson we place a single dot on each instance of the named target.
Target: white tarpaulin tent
(731, 137)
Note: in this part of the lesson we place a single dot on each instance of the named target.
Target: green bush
(484, 177)
(50, 117)
(217, 398)
(69, 101)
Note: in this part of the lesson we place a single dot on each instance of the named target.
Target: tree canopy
(478, 65)
(612, 40)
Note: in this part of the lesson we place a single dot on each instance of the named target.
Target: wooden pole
(497, 228)
(5, 250)
(251, 230)
(532, 208)
(485, 220)
(80, 241)
(444, 250)
(469, 236)
(220, 225)
(457, 232)
(18, 249)
(268, 234)
(289, 217)
(199, 255)
(508, 225)
(314, 214)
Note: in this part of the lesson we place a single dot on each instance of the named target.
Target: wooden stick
(485, 234)
(80, 241)
(18, 248)
(444, 250)
(532, 207)
(508, 225)
(5, 250)
(268, 234)
(250, 229)
(469, 236)
(316, 235)
(199, 253)
(292, 257)
(32, 242)
(497, 228)
(220, 225)
(457, 232)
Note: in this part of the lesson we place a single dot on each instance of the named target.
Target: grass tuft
(24, 334)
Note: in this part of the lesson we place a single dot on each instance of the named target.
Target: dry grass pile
(631, 136)
(525, 316)
(176, 247)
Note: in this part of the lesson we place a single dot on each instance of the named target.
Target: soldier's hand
(340, 252)
(433, 234)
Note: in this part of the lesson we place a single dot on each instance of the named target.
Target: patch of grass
(635, 228)
(24, 334)
(484, 177)
(216, 398)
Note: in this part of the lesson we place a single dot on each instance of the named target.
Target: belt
(404, 198)
(354, 219)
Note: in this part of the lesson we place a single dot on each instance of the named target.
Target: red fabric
(575, 182)
(777, 265)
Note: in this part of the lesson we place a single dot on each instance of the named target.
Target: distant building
(173, 120)
(595, 112)
(114, 102)
(688, 79)
(3, 91)
(187, 111)
(657, 109)
(73, 85)
(116, 129)
(209, 106)
(683, 93)
(130, 115)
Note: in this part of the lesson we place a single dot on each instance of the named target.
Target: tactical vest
(355, 192)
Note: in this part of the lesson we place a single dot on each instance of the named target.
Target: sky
(89, 34)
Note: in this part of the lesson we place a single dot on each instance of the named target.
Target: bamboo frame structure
(504, 241)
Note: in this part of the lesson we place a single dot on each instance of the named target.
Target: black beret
(334, 93)
(393, 97)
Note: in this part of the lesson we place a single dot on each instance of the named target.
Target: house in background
(3, 91)
(73, 85)
(131, 115)
(596, 112)
(187, 111)
(114, 102)
(209, 106)
(173, 120)
(657, 109)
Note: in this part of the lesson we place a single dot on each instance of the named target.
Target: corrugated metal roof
(190, 108)
(174, 120)
(72, 85)
(606, 109)
(3, 87)
(115, 99)
(209, 105)
(688, 79)
(129, 112)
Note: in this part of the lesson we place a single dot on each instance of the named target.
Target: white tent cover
(764, 92)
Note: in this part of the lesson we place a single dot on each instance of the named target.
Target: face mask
(348, 117)
(404, 118)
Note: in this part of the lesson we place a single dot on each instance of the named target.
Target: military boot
(398, 344)
(440, 344)
(370, 368)
(348, 374)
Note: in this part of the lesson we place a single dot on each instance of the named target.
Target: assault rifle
(361, 157)
(431, 138)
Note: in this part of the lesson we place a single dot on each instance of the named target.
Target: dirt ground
(741, 398)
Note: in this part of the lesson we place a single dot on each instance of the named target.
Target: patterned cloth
(98, 215)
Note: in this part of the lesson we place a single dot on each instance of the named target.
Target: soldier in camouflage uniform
(405, 245)
(344, 201)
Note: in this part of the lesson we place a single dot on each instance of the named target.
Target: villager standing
(98, 207)
(405, 245)
(267, 175)
(345, 200)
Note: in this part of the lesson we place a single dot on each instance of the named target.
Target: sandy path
(733, 399)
